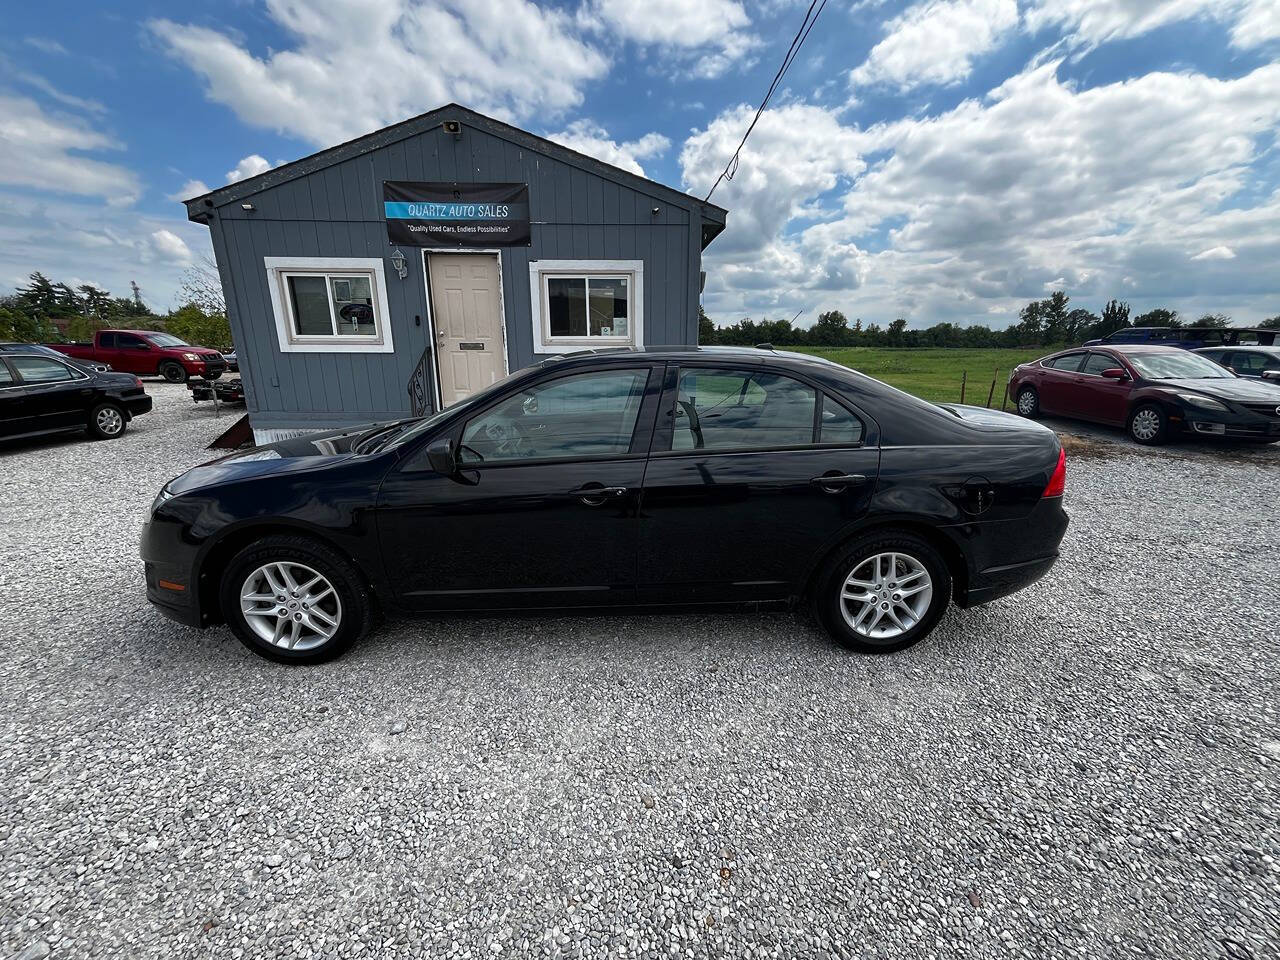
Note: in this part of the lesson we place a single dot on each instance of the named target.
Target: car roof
(1139, 348)
(1237, 347)
(745, 354)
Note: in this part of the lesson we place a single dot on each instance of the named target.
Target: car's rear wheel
(1028, 402)
(294, 600)
(883, 592)
(1148, 425)
(107, 421)
(173, 372)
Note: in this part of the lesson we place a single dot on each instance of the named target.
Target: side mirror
(1271, 375)
(1115, 373)
(443, 457)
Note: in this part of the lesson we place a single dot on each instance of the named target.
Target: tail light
(137, 382)
(1058, 482)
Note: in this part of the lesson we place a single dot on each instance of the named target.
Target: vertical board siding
(336, 211)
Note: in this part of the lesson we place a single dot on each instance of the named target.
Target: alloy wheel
(886, 595)
(109, 421)
(1026, 403)
(1146, 424)
(290, 605)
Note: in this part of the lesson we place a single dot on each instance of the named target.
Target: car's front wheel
(1148, 425)
(173, 372)
(295, 600)
(883, 592)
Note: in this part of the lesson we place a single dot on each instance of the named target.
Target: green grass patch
(934, 374)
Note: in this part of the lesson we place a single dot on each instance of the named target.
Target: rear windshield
(1177, 366)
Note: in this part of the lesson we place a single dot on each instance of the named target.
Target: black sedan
(620, 479)
(42, 394)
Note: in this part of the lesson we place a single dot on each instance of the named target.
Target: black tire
(349, 586)
(1029, 402)
(173, 372)
(107, 421)
(828, 602)
(1140, 425)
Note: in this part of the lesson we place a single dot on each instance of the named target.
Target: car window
(585, 415)
(741, 409)
(6, 378)
(1095, 363)
(838, 425)
(1214, 355)
(34, 369)
(1252, 364)
(107, 340)
(128, 341)
(1070, 361)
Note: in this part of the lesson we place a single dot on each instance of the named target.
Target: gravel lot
(1088, 769)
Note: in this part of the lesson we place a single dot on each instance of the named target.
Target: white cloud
(355, 67)
(706, 36)
(192, 188)
(1216, 253)
(45, 45)
(169, 246)
(1096, 21)
(249, 166)
(936, 42)
(593, 140)
(967, 214)
(42, 150)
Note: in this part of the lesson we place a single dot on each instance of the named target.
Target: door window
(742, 409)
(127, 341)
(41, 369)
(1095, 363)
(1070, 362)
(1253, 364)
(6, 378)
(586, 415)
(838, 424)
(107, 341)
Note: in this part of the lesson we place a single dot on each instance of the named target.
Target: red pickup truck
(148, 352)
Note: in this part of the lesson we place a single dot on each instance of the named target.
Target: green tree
(1213, 320)
(896, 333)
(1271, 323)
(1159, 317)
(197, 327)
(706, 329)
(830, 330)
(1079, 323)
(1053, 314)
(1115, 316)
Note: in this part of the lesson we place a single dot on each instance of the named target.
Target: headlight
(161, 497)
(191, 356)
(1203, 402)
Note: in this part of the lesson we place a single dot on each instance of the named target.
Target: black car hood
(305, 452)
(1238, 389)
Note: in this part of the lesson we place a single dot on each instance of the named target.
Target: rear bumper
(1003, 556)
(137, 405)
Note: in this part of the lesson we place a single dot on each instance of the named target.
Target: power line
(810, 18)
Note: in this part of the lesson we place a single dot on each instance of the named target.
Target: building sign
(456, 214)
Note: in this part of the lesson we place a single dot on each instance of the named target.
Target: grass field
(933, 373)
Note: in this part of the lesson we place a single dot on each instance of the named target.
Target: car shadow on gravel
(1094, 441)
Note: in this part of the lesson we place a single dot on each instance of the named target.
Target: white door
(467, 315)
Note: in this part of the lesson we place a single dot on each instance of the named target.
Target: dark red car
(1154, 392)
(148, 352)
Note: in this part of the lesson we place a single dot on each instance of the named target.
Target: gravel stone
(1069, 772)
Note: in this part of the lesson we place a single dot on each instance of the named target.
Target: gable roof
(198, 208)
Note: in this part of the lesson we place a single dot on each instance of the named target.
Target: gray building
(403, 270)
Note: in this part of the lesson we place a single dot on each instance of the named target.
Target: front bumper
(169, 571)
(1243, 421)
(208, 367)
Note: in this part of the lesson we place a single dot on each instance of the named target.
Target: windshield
(1176, 366)
(427, 423)
(166, 340)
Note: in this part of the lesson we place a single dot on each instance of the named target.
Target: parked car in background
(631, 478)
(1155, 392)
(148, 352)
(92, 366)
(232, 361)
(41, 394)
(1188, 338)
(1256, 363)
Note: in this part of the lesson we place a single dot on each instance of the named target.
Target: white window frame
(279, 269)
(540, 271)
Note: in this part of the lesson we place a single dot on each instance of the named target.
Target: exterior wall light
(246, 206)
(397, 261)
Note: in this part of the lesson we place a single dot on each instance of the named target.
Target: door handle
(594, 495)
(835, 482)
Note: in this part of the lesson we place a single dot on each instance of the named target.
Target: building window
(579, 304)
(330, 305)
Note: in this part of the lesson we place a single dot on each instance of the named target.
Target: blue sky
(937, 160)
